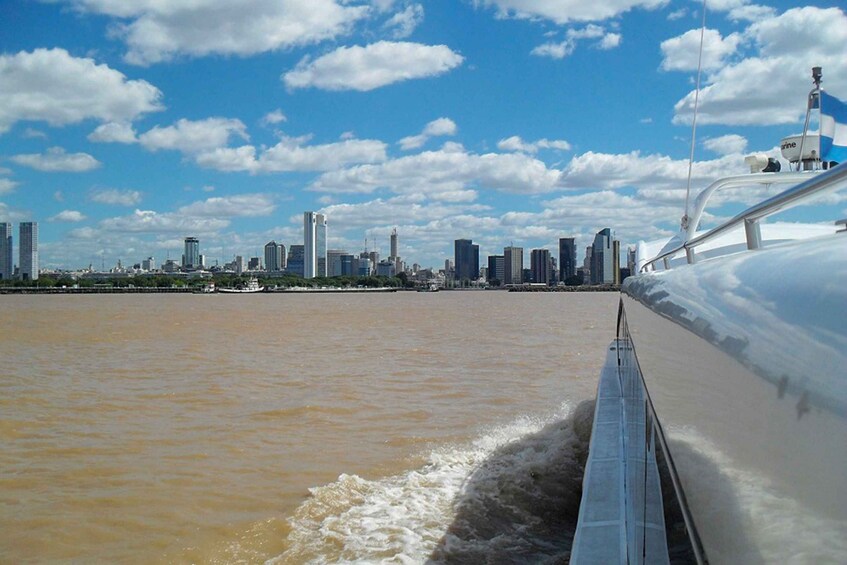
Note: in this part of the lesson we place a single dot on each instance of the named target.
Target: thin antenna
(694, 120)
(814, 100)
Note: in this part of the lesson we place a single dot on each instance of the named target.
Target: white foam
(402, 518)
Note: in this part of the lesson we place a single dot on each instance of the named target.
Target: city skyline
(385, 114)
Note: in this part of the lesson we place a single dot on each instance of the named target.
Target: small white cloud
(610, 41)
(561, 49)
(372, 66)
(435, 128)
(113, 132)
(59, 196)
(515, 143)
(243, 205)
(566, 11)
(404, 23)
(347, 135)
(68, 216)
(194, 136)
(7, 185)
(554, 50)
(208, 188)
(275, 117)
(117, 197)
(30, 133)
(678, 14)
(682, 53)
(726, 144)
(57, 160)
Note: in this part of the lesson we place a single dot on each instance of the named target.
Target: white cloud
(116, 197)
(404, 23)
(291, 155)
(194, 136)
(448, 170)
(68, 216)
(7, 185)
(51, 85)
(678, 14)
(31, 133)
(275, 117)
(242, 205)
(113, 132)
(770, 87)
(149, 221)
(57, 160)
(515, 143)
(372, 66)
(435, 128)
(561, 49)
(682, 53)
(566, 11)
(726, 144)
(158, 31)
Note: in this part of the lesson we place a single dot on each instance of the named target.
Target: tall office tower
(567, 258)
(467, 260)
(254, 264)
(495, 268)
(314, 245)
(6, 265)
(394, 243)
(28, 261)
(239, 264)
(148, 264)
(630, 261)
(616, 261)
(586, 263)
(512, 265)
(539, 261)
(191, 255)
(349, 265)
(274, 256)
(602, 271)
(296, 260)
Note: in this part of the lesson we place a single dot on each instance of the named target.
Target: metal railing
(827, 181)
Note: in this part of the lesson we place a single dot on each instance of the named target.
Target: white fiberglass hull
(745, 361)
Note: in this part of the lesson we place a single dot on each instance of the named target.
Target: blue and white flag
(833, 129)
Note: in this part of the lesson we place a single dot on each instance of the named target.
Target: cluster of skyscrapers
(27, 268)
(601, 265)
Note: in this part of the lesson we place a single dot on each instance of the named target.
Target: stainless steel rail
(827, 181)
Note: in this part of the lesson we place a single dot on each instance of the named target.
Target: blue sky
(127, 126)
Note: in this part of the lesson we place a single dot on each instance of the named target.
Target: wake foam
(511, 495)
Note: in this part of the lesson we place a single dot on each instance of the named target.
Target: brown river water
(395, 428)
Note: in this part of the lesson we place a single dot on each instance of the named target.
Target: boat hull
(743, 358)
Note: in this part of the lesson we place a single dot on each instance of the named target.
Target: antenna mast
(684, 223)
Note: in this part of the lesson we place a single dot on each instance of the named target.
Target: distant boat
(251, 287)
(428, 288)
(206, 289)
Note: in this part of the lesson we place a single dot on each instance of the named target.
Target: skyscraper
(6, 265)
(28, 251)
(296, 260)
(512, 265)
(394, 253)
(191, 255)
(467, 260)
(539, 260)
(274, 256)
(314, 245)
(602, 270)
(495, 268)
(567, 258)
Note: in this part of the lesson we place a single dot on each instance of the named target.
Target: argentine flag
(833, 129)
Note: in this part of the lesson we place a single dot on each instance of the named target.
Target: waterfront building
(394, 243)
(28, 242)
(148, 264)
(191, 255)
(296, 260)
(616, 261)
(512, 265)
(586, 264)
(495, 268)
(314, 245)
(239, 264)
(333, 262)
(385, 268)
(374, 258)
(274, 256)
(6, 264)
(539, 261)
(254, 264)
(467, 260)
(349, 265)
(567, 258)
(394, 256)
(364, 268)
(602, 269)
(630, 261)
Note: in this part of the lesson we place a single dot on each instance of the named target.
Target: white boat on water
(728, 378)
(252, 286)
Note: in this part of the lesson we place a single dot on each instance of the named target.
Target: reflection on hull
(743, 359)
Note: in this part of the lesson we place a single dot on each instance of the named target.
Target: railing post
(689, 255)
(753, 233)
(667, 262)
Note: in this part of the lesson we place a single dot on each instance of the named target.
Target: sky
(127, 126)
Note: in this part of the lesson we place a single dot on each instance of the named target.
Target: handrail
(828, 180)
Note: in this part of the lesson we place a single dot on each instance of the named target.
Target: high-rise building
(6, 264)
(394, 246)
(495, 268)
(274, 256)
(148, 264)
(512, 265)
(467, 260)
(28, 261)
(239, 264)
(296, 260)
(191, 255)
(567, 258)
(616, 261)
(602, 269)
(349, 265)
(333, 262)
(314, 245)
(539, 260)
(254, 264)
